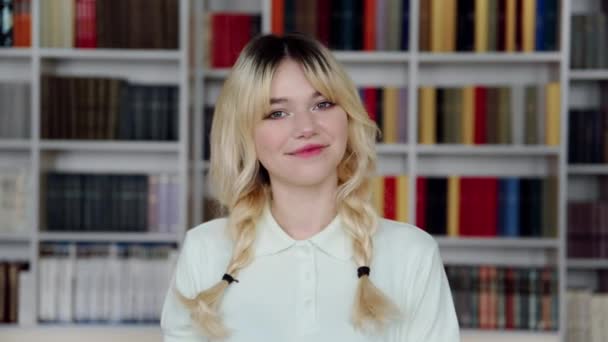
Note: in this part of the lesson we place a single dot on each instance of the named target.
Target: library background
(494, 116)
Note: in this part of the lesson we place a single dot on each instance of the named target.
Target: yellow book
(428, 120)
(402, 198)
(468, 115)
(481, 25)
(378, 194)
(437, 25)
(390, 98)
(510, 26)
(553, 113)
(453, 205)
(529, 25)
(450, 27)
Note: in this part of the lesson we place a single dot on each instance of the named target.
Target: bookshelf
(199, 86)
(586, 100)
(91, 156)
(414, 69)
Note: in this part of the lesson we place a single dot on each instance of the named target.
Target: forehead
(289, 80)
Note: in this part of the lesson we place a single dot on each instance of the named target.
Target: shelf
(15, 52)
(391, 148)
(217, 74)
(75, 332)
(588, 169)
(590, 264)
(492, 150)
(107, 237)
(111, 54)
(498, 242)
(14, 144)
(372, 56)
(111, 146)
(201, 165)
(474, 335)
(14, 237)
(471, 57)
(589, 75)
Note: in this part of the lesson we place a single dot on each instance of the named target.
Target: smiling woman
(303, 254)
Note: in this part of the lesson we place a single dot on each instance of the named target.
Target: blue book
(540, 25)
(511, 219)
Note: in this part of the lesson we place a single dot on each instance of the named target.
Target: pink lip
(308, 151)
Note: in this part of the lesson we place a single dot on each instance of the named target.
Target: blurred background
(494, 120)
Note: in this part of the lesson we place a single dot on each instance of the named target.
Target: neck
(302, 212)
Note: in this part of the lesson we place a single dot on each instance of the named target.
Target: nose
(305, 125)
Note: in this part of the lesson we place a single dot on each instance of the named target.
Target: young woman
(301, 255)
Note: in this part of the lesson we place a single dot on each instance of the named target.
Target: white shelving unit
(583, 93)
(93, 156)
(410, 69)
(413, 69)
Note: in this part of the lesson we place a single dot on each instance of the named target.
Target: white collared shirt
(304, 290)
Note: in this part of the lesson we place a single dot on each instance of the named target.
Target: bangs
(263, 56)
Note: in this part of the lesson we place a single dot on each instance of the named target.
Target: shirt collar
(272, 239)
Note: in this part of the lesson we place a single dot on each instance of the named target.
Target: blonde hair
(241, 184)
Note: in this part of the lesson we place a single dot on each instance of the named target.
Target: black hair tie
(227, 277)
(363, 270)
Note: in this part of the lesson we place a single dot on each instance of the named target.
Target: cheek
(267, 141)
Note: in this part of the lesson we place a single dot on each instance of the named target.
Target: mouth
(308, 151)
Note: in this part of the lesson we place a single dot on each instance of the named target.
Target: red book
(240, 37)
(220, 39)
(278, 17)
(421, 202)
(369, 25)
(480, 116)
(467, 206)
(370, 99)
(323, 20)
(488, 206)
(390, 196)
(86, 34)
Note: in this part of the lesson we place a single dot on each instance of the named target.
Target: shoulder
(209, 238)
(399, 238)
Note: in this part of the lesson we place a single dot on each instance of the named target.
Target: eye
(276, 115)
(323, 105)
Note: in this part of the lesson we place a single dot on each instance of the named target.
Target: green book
(504, 116)
(530, 114)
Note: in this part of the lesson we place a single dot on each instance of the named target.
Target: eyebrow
(280, 100)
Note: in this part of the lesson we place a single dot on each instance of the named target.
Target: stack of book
(388, 108)
(491, 297)
(489, 25)
(589, 40)
(588, 223)
(15, 110)
(132, 24)
(484, 206)
(103, 283)
(15, 23)
(484, 115)
(587, 312)
(346, 25)
(10, 288)
(15, 193)
(588, 132)
(230, 32)
(104, 108)
(111, 203)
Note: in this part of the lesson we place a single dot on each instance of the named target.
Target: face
(302, 139)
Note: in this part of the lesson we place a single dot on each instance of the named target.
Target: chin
(303, 178)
